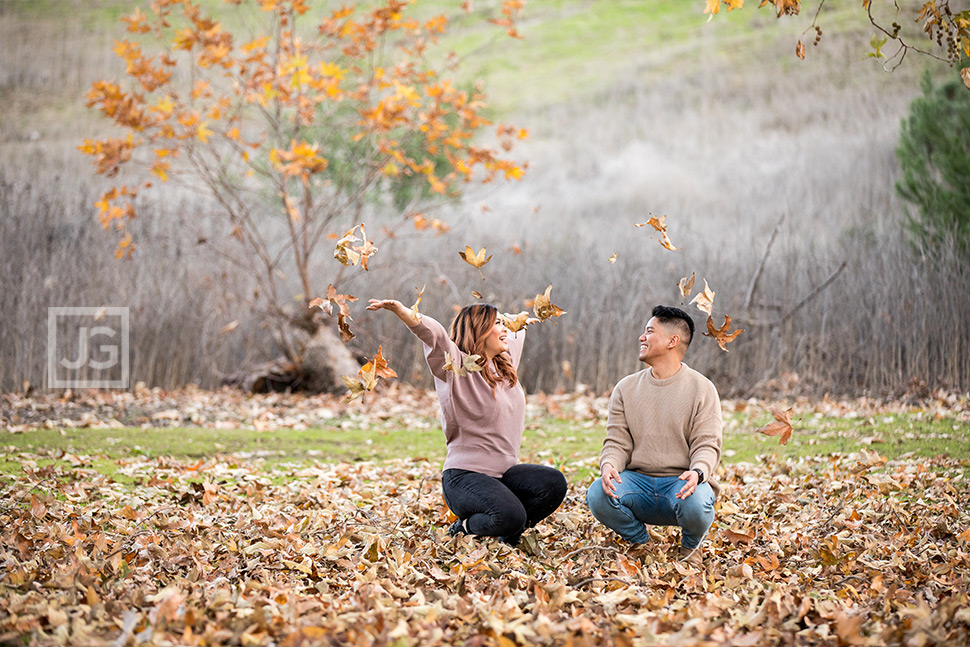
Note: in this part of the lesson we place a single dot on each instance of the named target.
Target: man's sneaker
(692, 556)
(456, 529)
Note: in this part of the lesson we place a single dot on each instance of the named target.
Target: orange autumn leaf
(544, 308)
(781, 427)
(378, 366)
(721, 334)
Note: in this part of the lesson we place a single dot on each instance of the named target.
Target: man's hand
(691, 477)
(607, 478)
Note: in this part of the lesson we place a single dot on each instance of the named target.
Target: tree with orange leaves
(307, 126)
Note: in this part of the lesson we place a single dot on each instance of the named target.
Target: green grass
(572, 445)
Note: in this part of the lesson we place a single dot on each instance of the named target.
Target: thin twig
(761, 266)
(814, 293)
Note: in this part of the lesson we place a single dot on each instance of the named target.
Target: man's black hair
(669, 315)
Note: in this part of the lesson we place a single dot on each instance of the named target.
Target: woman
(483, 415)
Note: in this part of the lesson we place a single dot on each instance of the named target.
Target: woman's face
(495, 341)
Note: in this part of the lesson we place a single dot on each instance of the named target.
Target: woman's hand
(396, 307)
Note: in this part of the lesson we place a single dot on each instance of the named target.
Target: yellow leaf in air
(516, 322)
(474, 259)
(685, 285)
(414, 309)
(705, 300)
(721, 335)
(612, 258)
(544, 308)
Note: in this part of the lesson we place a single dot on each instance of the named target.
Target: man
(663, 443)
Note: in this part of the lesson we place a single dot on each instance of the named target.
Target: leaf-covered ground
(849, 549)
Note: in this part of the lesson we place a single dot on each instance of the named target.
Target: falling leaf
(721, 335)
(659, 225)
(612, 258)
(515, 322)
(378, 366)
(414, 309)
(781, 427)
(469, 364)
(800, 50)
(365, 381)
(544, 308)
(344, 251)
(476, 260)
(349, 254)
(705, 299)
(476, 294)
(685, 285)
(342, 302)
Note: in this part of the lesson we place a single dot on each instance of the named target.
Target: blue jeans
(650, 499)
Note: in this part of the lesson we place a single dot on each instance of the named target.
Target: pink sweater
(664, 427)
(483, 429)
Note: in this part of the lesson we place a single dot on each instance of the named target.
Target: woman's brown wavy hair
(469, 329)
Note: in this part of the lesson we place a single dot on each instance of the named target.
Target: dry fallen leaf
(781, 427)
(414, 309)
(342, 301)
(476, 260)
(469, 364)
(721, 335)
(515, 322)
(685, 285)
(543, 306)
(349, 254)
(378, 366)
(705, 299)
(659, 225)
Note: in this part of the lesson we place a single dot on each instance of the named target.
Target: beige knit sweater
(664, 427)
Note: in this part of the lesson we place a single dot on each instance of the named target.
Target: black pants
(503, 507)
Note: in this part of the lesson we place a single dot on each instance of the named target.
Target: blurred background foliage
(777, 177)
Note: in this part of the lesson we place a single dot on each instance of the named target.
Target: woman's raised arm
(403, 313)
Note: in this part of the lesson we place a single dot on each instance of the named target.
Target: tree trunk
(324, 359)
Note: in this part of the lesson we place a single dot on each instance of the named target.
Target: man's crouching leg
(616, 516)
(695, 514)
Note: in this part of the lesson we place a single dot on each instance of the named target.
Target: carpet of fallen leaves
(828, 550)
